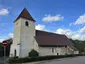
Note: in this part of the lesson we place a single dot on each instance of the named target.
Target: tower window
(52, 50)
(26, 23)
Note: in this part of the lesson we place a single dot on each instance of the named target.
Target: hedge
(32, 59)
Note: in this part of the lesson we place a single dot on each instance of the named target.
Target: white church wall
(14, 47)
(26, 37)
(76, 52)
(66, 50)
(35, 44)
(43, 51)
(70, 50)
(63, 50)
(23, 35)
(16, 39)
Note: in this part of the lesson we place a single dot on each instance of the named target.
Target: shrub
(66, 54)
(33, 53)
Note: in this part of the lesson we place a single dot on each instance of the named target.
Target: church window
(52, 50)
(65, 46)
(57, 53)
(26, 23)
(15, 53)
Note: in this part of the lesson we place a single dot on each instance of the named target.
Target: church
(26, 38)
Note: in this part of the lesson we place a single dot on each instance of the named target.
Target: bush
(66, 54)
(33, 53)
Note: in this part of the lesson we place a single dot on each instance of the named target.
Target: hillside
(80, 45)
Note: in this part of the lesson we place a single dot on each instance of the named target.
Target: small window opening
(15, 53)
(26, 23)
(52, 50)
(57, 53)
(65, 46)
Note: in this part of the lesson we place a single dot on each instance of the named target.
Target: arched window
(26, 23)
(57, 53)
(15, 52)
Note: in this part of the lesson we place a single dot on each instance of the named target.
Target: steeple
(25, 14)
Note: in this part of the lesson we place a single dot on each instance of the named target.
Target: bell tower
(24, 32)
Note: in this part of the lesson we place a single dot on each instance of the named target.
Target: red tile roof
(25, 14)
(47, 39)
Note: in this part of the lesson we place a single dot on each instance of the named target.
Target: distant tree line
(80, 45)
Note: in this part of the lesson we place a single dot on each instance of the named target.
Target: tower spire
(25, 14)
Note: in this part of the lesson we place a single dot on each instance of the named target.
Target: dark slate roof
(47, 39)
(25, 14)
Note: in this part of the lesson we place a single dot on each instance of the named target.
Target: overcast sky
(58, 16)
